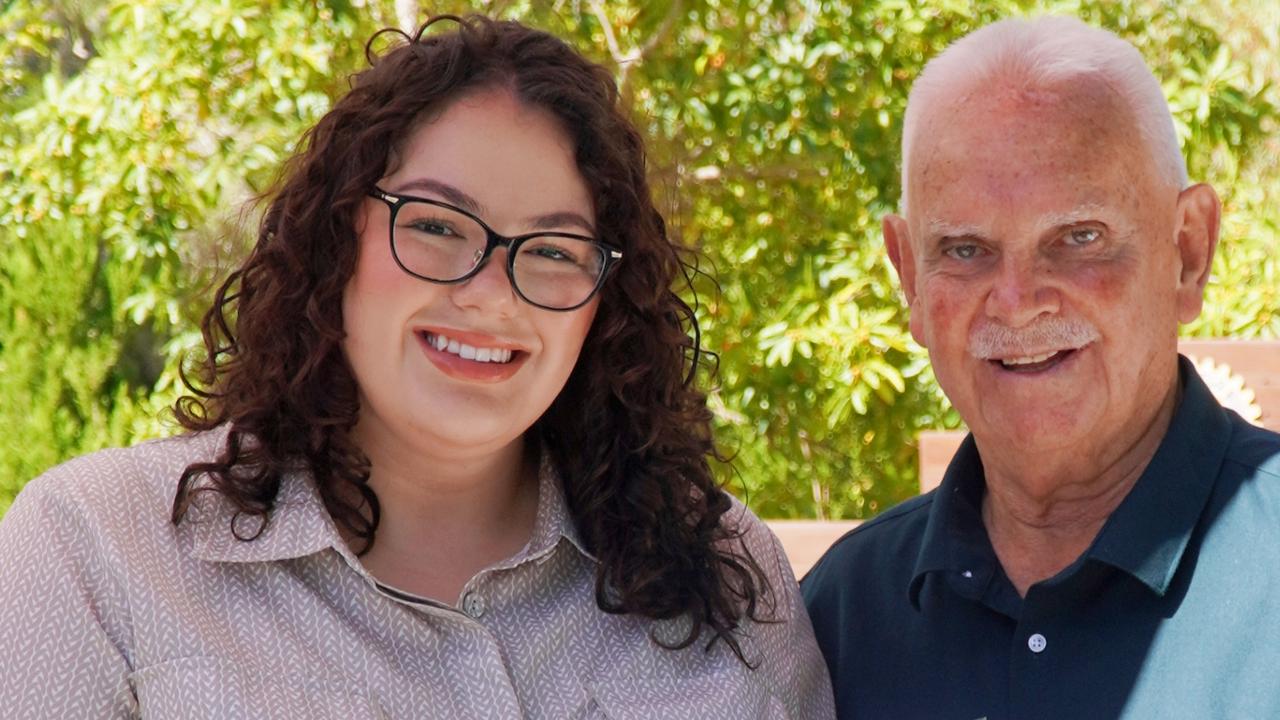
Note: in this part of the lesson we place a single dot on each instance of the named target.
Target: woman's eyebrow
(561, 219)
(450, 193)
(457, 197)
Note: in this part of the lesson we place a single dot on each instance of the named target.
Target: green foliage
(132, 132)
(129, 132)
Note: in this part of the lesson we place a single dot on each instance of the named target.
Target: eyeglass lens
(440, 244)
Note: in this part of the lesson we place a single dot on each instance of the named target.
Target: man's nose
(1023, 289)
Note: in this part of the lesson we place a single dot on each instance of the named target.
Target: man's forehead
(1056, 156)
(989, 115)
(1091, 92)
(1049, 171)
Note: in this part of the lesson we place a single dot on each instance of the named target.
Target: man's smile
(1034, 363)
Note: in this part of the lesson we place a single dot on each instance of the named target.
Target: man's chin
(1029, 432)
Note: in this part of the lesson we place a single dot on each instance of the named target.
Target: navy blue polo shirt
(1172, 612)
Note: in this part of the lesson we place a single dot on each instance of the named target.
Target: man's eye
(1083, 236)
(963, 252)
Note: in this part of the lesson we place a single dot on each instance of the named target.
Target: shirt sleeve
(60, 614)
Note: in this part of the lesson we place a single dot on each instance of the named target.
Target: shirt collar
(954, 537)
(553, 520)
(1147, 533)
(300, 524)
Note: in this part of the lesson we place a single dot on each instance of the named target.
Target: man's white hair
(1040, 53)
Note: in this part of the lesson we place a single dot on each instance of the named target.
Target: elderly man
(1106, 542)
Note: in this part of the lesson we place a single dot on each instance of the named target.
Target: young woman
(444, 457)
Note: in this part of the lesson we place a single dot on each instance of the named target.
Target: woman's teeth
(468, 352)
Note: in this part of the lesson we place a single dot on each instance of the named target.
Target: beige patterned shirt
(109, 611)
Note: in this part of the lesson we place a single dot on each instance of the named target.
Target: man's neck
(1042, 511)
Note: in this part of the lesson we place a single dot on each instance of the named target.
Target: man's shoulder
(874, 552)
(1250, 470)
(1255, 450)
(902, 523)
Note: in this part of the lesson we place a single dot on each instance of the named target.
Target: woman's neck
(446, 515)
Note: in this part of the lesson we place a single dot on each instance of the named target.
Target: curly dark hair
(630, 433)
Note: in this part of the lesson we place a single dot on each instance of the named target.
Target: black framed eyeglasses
(440, 243)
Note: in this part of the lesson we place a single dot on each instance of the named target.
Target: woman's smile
(471, 357)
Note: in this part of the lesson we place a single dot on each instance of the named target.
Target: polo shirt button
(473, 604)
(1037, 643)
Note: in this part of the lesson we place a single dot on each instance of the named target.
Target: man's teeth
(469, 352)
(1030, 360)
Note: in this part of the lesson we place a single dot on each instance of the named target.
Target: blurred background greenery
(133, 131)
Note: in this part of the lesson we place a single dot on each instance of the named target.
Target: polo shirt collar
(954, 537)
(1148, 533)
(1145, 536)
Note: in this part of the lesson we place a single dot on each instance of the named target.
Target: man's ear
(897, 242)
(1196, 233)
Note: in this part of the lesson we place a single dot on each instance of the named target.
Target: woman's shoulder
(782, 646)
(85, 546)
(742, 523)
(745, 530)
(118, 486)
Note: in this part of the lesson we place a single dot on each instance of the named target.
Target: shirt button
(1037, 643)
(473, 604)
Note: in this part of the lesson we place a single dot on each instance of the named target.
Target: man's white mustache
(991, 341)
